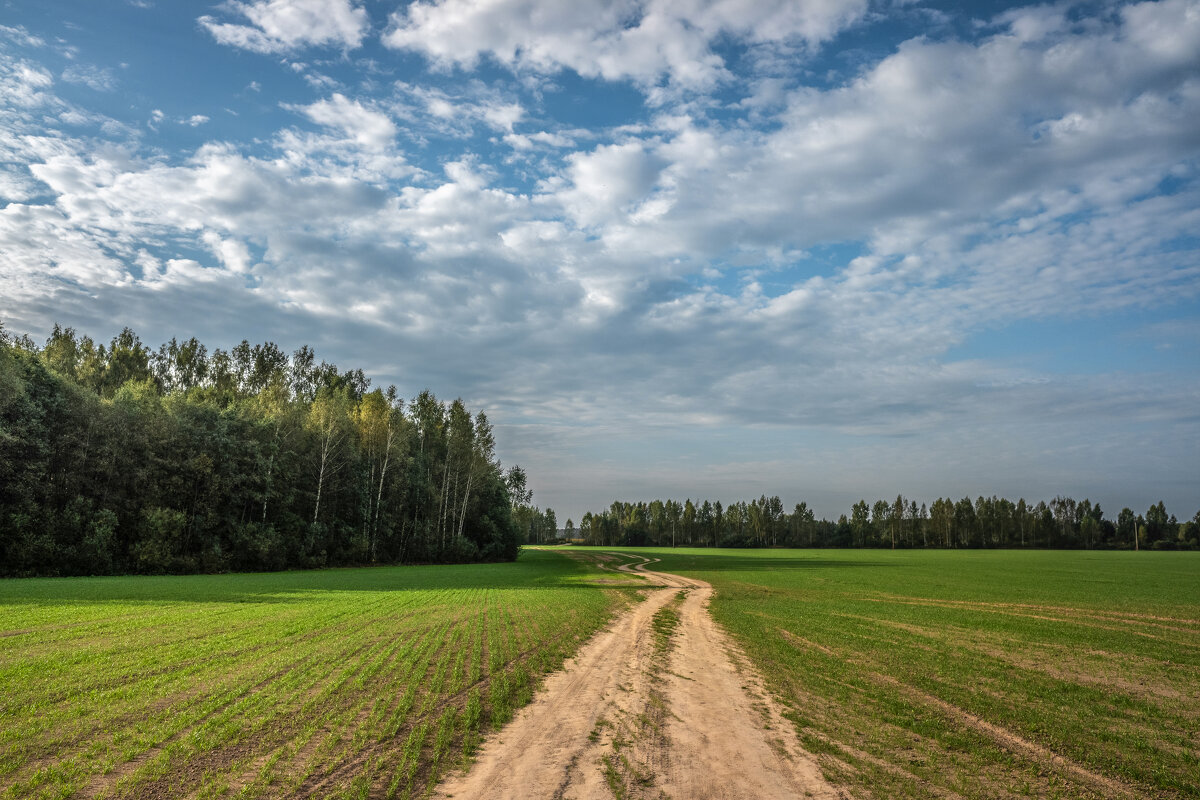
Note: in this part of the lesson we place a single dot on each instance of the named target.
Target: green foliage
(120, 459)
(159, 543)
(986, 522)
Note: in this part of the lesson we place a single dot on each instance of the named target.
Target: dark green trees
(986, 522)
(116, 458)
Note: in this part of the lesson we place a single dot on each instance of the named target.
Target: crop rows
(976, 675)
(353, 683)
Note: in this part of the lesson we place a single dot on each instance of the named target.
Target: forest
(120, 458)
(123, 459)
(985, 522)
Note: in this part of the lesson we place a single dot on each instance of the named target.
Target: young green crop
(340, 683)
(981, 674)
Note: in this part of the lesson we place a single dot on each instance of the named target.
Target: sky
(825, 249)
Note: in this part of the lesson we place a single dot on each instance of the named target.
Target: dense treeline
(537, 526)
(984, 522)
(120, 458)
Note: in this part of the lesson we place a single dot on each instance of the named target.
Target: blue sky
(826, 250)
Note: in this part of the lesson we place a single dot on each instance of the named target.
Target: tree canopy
(121, 458)
(985, 522)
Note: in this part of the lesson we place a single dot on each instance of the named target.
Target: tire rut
(716, 732)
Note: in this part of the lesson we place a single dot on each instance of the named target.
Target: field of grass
(909, 674)
(338, 683)
(975, 674)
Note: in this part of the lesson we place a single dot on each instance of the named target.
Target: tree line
(986, 522)
(122, 458)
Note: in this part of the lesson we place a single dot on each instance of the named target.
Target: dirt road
(659, 705)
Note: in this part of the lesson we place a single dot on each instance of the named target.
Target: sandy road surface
(628, 717)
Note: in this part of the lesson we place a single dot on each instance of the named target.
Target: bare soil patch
(623, 718)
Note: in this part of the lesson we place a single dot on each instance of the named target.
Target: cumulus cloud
(809, 260)
(365, 126)
(937, 136)
(641, 40)
(280, 26)
(606, 183)
(233, 254)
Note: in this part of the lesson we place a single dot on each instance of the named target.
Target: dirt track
(635, 714)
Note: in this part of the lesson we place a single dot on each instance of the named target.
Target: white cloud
(808, 262)
(609, 181)
(42, 248)
(614, 231)
(18, 34)
(23, 84)
(280, 26)
(233, 254)
(320, 82)
(458, 114)
(615, 39)
(935, 138)
(521, 141)
(369, 128)
(503, 116)
(1167, 32)
(97, 78)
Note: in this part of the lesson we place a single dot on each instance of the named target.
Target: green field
(909, 674)
(338, 683)
(975, 674)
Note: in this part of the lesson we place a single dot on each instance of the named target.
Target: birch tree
(328, 421)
